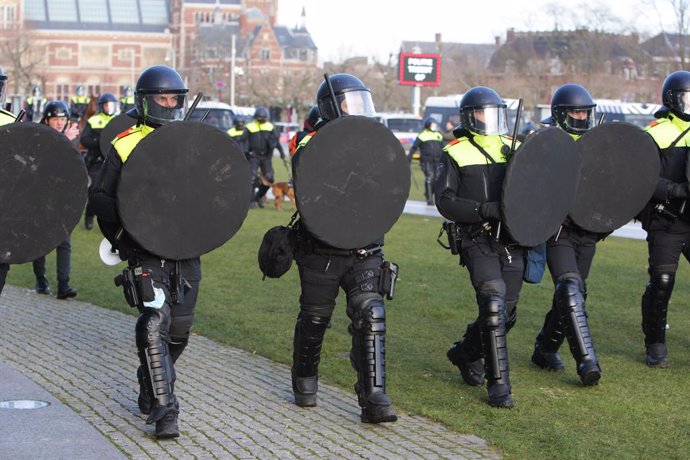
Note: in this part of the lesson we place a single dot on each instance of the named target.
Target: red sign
(220, 84)
(420, 69)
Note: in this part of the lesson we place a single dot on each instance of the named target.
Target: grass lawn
(635, 412)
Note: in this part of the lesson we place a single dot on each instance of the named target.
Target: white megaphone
(108, 255)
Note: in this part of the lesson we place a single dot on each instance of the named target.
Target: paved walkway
(234, 404)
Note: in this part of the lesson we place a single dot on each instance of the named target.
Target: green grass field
(635, 412)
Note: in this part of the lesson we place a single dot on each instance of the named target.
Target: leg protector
(309, 332)
(156, 361)
(467, 355)
(571, 306)
(492, 327)
(549, 340)
(368, 331)
(654, 313)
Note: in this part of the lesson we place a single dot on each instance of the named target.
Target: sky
(376, 28)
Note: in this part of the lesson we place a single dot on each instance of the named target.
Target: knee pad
(368, 313)
(662, 284)
(151, 328)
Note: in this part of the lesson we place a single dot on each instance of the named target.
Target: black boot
(493, 337)
(65, 291)
(368, 358)
(309, 332)
(549, 340)
(467, 356)
(571, 305)
(654, 312)
(42, 285)
(166, 425)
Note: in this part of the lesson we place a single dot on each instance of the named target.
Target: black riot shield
(351, 182)
(620, 168)
(114, 127)
(43, 190)
(184, 190)
(540, 185)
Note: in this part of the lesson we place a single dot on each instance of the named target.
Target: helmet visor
(3, 90)
(681, 101)
(164, 108)
(579, 120)
(357, 103)
(489, 121)
(108, 108)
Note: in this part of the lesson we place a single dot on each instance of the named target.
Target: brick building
(105, 44)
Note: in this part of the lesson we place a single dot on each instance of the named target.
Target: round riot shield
(352, 180)
(620, 169)
(540, 185)
(114, 127)
(184, 190)
(43, 190)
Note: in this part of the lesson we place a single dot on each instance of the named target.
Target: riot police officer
(310, 122)
(569, 256)
(33, 105)
(430, 145)
(468, 192)
(90, 138)
(261, 139)
(127, 101)
(238, 133)
(666, 218)
(5, 118)
(163, 327)
(79, 103)
(323, 270)
(55, 115)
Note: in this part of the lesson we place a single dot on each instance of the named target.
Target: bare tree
(21, 55)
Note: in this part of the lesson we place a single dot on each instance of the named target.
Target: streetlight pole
(232, 72)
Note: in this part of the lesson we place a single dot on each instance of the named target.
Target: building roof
(292, 38)
(666, 45)
(121, 15)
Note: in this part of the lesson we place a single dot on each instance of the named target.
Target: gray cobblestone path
(233, 404)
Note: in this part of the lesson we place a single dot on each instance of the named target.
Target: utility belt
(137, 284)
(311, 246)
(93, 159)
(672, 209)
(455, 233)
(255, 153)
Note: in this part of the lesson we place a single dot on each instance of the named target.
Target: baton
(333, 98)
(197, 99)
(601, 118)
(20, 115)
(517, 125)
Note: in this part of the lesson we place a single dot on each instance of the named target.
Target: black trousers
(4, 268)
(64, 257)
(572, 252)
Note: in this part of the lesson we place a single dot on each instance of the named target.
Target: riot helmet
(312, 118)
(350, 93)
(482, 111)
(106, 103)
(129, 91)
(430, 123)
(36, 91)
(155, 82)
(675, 94)
(238, 123)
(573, 108)
(261, 114)
(55, 109)
(3, 87)
(81, 90)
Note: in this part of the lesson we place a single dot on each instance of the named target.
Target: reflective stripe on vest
(666, 130)
(126, 141)
(304, 141)
(99, 120)
(6, 117)
(466, 154)
(232, 132)
(255, 127)
(428, 135)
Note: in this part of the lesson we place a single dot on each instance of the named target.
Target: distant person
(79, 103)
(310, 122)
(127, 100)
(430, 145)
(262, 140)
(239, 135)
(91, 139)
(56, 115)
(33, 106)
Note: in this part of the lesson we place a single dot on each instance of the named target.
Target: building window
(125, 54)
(62, 92)
(93, 89)
(265, 54)
(63, 54)
(7, 17)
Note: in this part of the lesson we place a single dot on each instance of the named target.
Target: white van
(405, 126)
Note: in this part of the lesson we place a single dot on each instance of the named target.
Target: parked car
(405, 126)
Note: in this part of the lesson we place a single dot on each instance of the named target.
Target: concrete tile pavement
(233, 404)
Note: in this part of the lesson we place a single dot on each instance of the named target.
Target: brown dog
(281, 191)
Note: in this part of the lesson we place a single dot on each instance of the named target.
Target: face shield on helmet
(576, 120)
(163, 108)
(486, 120)
(680, 101)
(356, 103)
